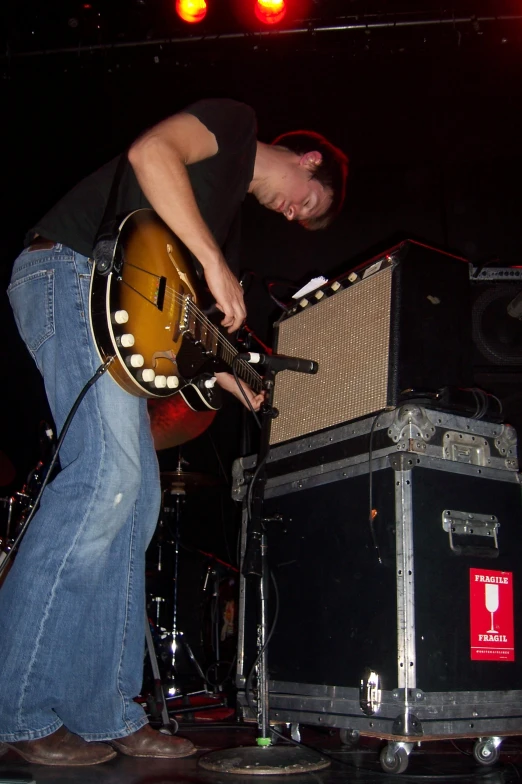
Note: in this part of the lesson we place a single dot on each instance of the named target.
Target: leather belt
(40, 243)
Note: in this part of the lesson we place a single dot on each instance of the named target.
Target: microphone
(279, 362)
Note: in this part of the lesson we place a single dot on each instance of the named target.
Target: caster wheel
(349, 738)
(396, 763)
(485, 753)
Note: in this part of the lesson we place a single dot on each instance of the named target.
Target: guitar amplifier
(397, 326)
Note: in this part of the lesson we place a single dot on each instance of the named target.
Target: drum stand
(178, 640)
(264, 758)
(176, 484)
(160, 703)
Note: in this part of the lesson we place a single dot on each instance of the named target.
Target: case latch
(471, 534)
(466, 448)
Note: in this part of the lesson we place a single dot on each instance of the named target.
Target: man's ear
(311, 160)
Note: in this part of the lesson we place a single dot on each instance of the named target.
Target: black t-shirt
(220, 184)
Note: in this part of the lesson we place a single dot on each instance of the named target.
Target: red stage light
(270, 11)
(192, 11)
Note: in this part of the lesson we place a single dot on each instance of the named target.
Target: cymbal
(180, 482)
(7, 470)
(173, 423)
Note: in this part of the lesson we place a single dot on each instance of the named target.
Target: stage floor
(443, 761)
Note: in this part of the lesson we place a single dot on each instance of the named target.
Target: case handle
(471, 534)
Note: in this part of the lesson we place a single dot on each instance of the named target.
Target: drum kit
(209, 603)
(15, 508)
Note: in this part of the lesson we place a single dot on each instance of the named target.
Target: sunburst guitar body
(146, 314)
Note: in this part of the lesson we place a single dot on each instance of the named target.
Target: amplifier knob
(160, 382)
(135, 360)
(172, 382)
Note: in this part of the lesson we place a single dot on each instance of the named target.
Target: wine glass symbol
(492, 601)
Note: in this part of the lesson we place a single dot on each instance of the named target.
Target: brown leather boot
(62, 748)
(147, 742)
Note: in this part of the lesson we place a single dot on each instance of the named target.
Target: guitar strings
(255, 378)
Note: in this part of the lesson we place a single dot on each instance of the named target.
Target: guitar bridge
(187, 322)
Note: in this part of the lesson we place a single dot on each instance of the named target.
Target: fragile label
(491, 615)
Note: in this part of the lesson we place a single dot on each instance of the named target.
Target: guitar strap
(107, 236)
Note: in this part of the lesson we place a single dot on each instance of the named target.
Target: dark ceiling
(74, 26)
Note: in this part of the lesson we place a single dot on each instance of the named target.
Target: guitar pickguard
(192, 359)
(182, 275)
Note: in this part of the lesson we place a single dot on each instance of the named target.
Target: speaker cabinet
(497, 335)
(395, 326)
(497, 338)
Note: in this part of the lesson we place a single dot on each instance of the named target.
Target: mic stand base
(264, 760)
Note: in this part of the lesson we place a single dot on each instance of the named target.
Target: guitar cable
(99, 373)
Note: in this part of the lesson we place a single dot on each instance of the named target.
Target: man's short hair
(331, 173)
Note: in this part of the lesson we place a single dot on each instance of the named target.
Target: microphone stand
(264, 757)
(245, 447)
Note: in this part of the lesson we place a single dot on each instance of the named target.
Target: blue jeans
(72, 609)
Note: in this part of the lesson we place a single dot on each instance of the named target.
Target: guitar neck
(218, 346)
(228, 354)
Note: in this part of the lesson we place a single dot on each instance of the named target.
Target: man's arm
(159, 159)
(228, 382)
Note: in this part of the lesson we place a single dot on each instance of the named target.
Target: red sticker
(491, 615)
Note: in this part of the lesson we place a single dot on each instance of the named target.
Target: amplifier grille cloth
(348, 334)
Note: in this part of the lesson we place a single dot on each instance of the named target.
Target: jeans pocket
(32, 301)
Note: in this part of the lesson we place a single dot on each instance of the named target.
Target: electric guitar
(145, 313)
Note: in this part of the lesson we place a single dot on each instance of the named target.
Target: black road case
(396, 546)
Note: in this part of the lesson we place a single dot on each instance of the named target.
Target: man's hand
(228, 382)
(228, 294)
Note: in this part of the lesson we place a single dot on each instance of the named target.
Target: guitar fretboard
(216, 343)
